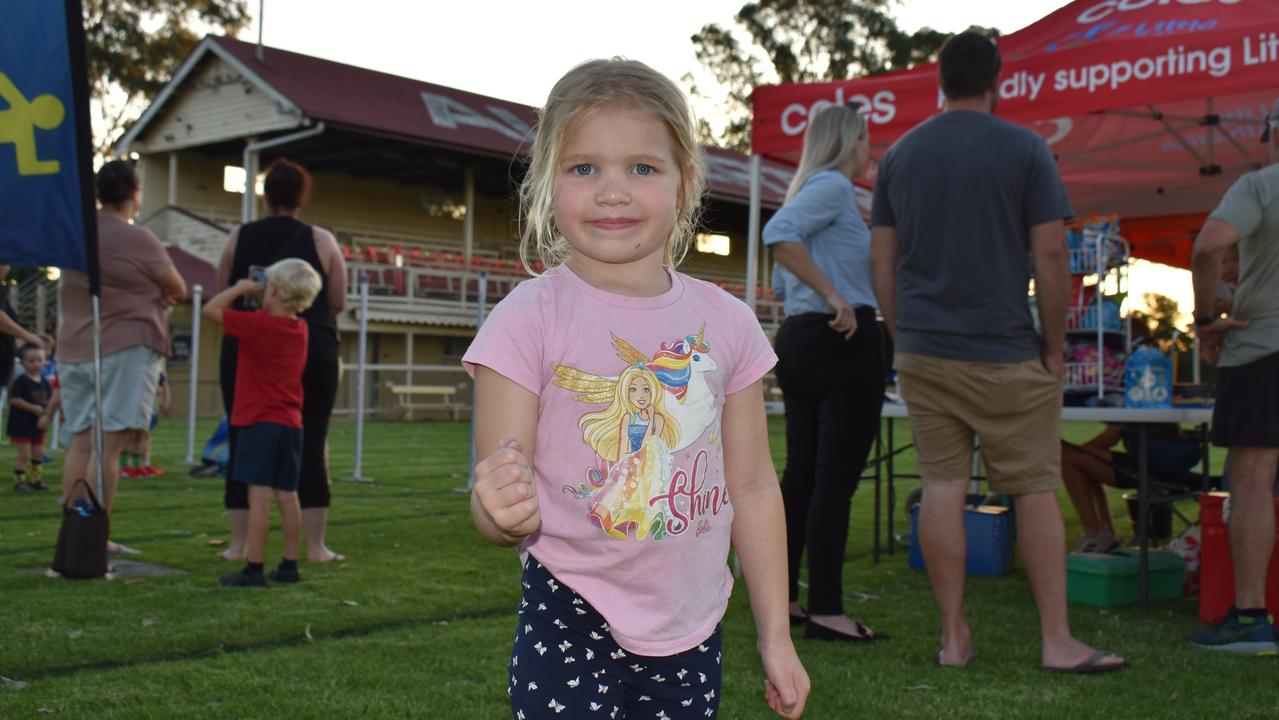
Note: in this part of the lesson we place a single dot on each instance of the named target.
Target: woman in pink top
(139, 282)
(620, 414)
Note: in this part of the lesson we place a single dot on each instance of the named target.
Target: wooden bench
(437, 397)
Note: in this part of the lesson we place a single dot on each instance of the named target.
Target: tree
(135, 46)
(1160, 317)
(794, 41)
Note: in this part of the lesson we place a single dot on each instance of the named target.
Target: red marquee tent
(1152, 107)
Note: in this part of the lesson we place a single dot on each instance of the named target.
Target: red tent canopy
(1152, 107)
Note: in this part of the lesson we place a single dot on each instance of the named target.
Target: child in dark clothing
(268, 406)
(31, 406)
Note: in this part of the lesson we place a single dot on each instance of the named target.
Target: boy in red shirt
(268, 406)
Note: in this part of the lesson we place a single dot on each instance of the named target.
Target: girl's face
(616, 191)
(639, 393)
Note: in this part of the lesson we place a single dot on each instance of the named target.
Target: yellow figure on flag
(18, 126)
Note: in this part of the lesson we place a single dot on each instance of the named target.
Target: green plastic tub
(1112, 580)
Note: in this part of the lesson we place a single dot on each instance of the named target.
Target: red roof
(364, 99)
(194, 271)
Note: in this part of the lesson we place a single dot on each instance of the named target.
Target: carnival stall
(1152, 107)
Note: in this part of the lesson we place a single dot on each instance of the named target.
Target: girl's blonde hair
(296, 283)
(832, 135)
(585, 89)
(600, 429)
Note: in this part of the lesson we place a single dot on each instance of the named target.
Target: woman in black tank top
(278, 236)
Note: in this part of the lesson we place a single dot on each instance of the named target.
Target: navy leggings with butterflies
(566, 665)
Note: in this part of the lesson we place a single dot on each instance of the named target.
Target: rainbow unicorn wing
(627, 352)
(590, 388)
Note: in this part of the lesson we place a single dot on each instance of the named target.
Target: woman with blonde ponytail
(830, 360)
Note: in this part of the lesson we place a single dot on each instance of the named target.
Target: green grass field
(418, 622)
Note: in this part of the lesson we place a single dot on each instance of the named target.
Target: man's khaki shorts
(1014, 409)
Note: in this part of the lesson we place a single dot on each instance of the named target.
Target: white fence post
(357, 471)
(192, 398)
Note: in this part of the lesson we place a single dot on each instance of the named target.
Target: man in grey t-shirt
(1245, 346)
(962, 204)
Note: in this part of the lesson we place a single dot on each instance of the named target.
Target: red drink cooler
(1217, 570)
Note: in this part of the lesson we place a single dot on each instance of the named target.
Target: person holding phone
(255, 245)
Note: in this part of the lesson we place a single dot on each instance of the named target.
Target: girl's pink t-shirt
(635, 511)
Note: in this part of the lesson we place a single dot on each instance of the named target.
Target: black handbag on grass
(81, 553)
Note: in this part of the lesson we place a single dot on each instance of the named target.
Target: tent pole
(752, 232)
(99, 447)
(1212, 135)
(357, 473)
(468, 229)
(193, 393)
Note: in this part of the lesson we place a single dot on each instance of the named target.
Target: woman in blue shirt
(830, 360)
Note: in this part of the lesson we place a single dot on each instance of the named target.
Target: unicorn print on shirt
(680, 366)
(654, 407)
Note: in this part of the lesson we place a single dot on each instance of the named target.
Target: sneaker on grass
(284, 574)
(22, 487)
(240, 578)
(1240, 634)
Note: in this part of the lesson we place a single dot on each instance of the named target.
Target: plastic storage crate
(1113, 580)
(989, 533)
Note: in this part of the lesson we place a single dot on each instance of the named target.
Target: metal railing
(35, 300)
(453, 290)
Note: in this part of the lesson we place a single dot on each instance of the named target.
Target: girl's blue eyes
(641, 169)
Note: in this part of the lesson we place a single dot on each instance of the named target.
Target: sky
(516, 50)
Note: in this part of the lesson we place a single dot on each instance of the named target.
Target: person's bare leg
(114, 442)
(315, 522)
(1085, 475)
(1252, 520)
(291, 523)
(78, 463)
(259, 522)
(146, 449)
(1042, 538)
(34, 464)
(1079, 488)
(945, 548)
(22, 460)
(239, 523)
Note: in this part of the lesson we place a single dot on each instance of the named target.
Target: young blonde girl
(625, 624)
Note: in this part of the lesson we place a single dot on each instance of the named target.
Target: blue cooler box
(989, 532)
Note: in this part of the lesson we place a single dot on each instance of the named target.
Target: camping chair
(1171, 477)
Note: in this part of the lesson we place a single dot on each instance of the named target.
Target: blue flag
(42, 147)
